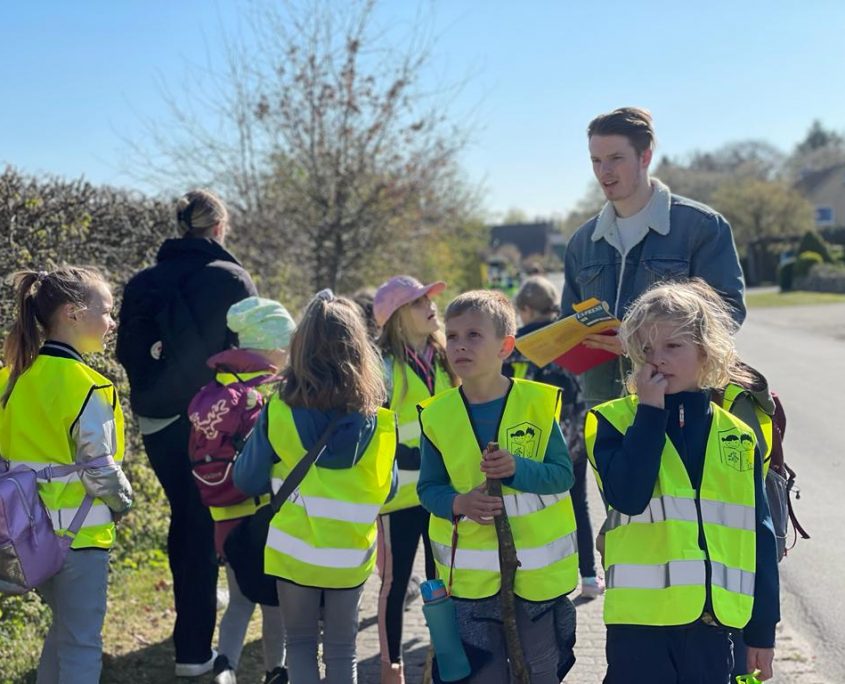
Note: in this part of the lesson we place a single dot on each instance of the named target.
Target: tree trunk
(508, 563)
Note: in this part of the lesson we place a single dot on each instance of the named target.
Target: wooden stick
(508, 563)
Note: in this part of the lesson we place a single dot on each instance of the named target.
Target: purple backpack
(222, 418)
(30, 551)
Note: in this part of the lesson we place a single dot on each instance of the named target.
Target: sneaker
(223, 671)
(592, 587)
(413, 591)
(196, 669)
(278, 675)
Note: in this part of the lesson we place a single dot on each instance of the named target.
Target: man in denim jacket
(642, 235)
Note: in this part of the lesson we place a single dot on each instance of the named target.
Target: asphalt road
(801, 350)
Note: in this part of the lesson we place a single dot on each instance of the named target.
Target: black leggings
(190, 544)
(399, 537)
(584, 532)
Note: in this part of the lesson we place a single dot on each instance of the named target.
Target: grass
(756, 300)
(136, 635)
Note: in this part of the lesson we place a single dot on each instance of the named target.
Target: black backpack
(161, 347)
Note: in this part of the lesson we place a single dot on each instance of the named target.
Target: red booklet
(562, 342)
(581, 358)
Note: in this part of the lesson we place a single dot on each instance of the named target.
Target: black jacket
(182, 302)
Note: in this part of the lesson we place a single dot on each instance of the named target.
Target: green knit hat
(260, 323)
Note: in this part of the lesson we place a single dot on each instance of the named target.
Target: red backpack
(222, 417)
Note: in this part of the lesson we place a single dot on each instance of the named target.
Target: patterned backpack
(222, 417)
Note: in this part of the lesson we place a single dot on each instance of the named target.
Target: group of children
(410, 437)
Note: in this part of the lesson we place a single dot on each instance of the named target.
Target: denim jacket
(698, 243)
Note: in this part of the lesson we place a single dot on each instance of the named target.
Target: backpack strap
(300, 470)
(52, 471)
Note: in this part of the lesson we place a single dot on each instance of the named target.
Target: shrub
(805, 261)
(813, 242)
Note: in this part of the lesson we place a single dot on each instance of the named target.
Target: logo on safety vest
(737, 449)
(524, 440)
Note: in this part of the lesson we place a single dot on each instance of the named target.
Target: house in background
(825, 190)
(539, 239)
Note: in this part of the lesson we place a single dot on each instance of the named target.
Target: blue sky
(78, 76)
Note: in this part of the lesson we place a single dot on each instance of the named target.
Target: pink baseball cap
(397, 292)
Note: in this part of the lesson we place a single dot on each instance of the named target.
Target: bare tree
(333, 155)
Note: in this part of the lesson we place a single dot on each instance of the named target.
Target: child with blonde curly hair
(690, 549)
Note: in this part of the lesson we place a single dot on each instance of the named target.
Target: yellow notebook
(561, 342)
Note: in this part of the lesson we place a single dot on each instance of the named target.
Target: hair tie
(325, 295)
(184, 216)
(41, 276)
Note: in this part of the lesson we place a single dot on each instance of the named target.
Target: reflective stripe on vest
(323, 507)
(325, 533)
(679, 573)
(99, 514)
(340, 559)
(656, 571)
(543, 525)
(529, 559)
(676, 508)
(37, 428)
(403, 400)
(763, 428)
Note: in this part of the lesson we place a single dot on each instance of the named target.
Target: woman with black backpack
(172, 319)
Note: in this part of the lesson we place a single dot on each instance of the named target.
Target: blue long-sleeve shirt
(346, 446)
(552, 475)
(629, 464)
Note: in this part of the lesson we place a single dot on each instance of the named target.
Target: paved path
(802, 352)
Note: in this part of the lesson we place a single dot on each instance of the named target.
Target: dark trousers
(400, 533)
(692, 654)
(190, 544)
(584, 531)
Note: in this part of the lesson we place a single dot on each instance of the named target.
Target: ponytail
(24, 339)
(38, 295)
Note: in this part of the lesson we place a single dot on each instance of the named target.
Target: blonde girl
(55, 409)
(322, 542)
(414, 351)
(690, 551)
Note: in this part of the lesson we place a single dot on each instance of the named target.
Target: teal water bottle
(439, 611)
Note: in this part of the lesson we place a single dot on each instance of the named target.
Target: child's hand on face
(651, 386)
(477, 506)
(498, 464)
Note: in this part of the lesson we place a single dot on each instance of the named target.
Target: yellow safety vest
(543, 525)
(403, 402)
(36, 429)
(251, 505)
(520, 369)
(764, 427)
(655, 571)
(325, 534)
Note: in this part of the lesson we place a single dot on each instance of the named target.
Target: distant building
(531, 239)
(825, 190)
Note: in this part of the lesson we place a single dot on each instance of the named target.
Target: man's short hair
(490, 303)
(634, 123)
